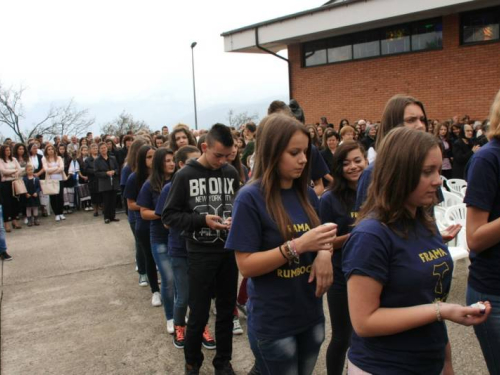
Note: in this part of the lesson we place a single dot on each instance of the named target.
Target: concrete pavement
(71, 304)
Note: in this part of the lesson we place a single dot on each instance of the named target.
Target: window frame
(474, 12)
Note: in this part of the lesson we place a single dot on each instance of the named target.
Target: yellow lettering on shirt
(429, 256)
(295, 272)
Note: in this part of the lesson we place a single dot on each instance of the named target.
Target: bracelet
(282, 253)
(438, 312)
(291, 253)
(293, 249)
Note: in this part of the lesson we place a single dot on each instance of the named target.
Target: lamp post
(194, 86)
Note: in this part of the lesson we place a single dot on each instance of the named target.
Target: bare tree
(123, 124)
(11, 111)
(58, 120)
(238, 119)
(71, 121)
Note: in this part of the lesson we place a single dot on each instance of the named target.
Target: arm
(148, 214)
(319, 188)
(48, 169)
(461, 153)
(4, 171)
(101, 170)
(481, 235)
(132, 205)
(371, 320)
(448, 365)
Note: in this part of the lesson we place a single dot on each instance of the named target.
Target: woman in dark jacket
(463, 149)
(106, 171)
(89, 171)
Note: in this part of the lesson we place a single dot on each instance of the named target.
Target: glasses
(411, 120)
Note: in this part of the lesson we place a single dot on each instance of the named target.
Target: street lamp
(194, 86)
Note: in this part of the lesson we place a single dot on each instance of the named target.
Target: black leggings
(145, 244)
(10, 203)
(57, 201)
(109, 204)
(341, 330)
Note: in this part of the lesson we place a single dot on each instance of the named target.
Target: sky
(120, 55)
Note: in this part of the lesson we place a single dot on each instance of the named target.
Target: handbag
(84, 192)
(49, 187)
(18, 187)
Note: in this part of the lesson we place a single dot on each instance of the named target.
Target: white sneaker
(58, 218)
(25, 220)
(237, 330)
(62, 217)
(170, 326)
(156, 300)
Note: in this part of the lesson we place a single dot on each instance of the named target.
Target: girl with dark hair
(234, 160)
(106, 171)
(337, 206)
(282, 248)
(398, 268)
(144, 163)
(68, 183)
(181, 136)
(463, 149)
(10, 171)
(313, 133)
(177, 253)
(456, 129)
(129, 167)
(162, 170)
(442, 133)
(53, 166)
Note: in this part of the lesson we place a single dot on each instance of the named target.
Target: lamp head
(193, 44)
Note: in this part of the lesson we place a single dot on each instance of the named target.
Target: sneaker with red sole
(179, 336)
(207, 340)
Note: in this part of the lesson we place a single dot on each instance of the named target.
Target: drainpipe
(281, 57)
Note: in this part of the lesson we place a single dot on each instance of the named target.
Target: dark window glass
(427, 35)
(481, 26)
(315, 53)
(366, 45)
(339, 49)
(395, 40)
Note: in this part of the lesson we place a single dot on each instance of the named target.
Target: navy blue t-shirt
(126, 171)
(148, 199)
(281, 303)
(318, 166)
(413, 272)
(132, 192)
(483, 192)
(363, 183)
(176, 243)
(331, 210)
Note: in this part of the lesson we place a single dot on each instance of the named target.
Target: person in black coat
(106, 171)
(89, 171)
(463, 149)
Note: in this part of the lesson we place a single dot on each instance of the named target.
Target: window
(395, 40)
(416, 36)
(480, 26)
(315, 54)
(427, 35)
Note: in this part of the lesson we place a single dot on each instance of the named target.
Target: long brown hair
(274, 134)
(132, 152)
(393, 115)
(396, 175)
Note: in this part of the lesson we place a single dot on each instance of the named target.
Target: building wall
(455, 80)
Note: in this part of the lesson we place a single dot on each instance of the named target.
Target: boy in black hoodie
(200, 203)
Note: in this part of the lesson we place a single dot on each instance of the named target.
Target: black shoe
(254, 370)
(6, 257)
(226, 369)
(192, 370)
(106, 221)
(96, 214)
(115, 219)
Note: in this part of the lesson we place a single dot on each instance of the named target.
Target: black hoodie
(197, 191)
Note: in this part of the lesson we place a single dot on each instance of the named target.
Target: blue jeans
(139, 254)
(3, 244)
(488, 333)
(162, 260)
(181, 281)
(293, 355)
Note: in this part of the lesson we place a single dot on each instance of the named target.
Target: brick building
(348, 57)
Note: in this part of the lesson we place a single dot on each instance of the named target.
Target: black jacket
(462, 152)
(195, 192)
(105, 182)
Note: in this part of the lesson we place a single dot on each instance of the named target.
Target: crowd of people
(299, 210)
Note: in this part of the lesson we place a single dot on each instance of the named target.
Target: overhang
(337, 18)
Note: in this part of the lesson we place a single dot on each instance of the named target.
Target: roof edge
(294, 15)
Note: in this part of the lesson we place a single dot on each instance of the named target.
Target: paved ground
(71, 305)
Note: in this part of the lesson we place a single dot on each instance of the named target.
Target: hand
(451, 232)
(475, 148)
(322, 271)
(317, 239)
(35, 195)
(448, 368)
(85, 178)
(215, 222)
(465, 315)
(228, 222)
(110, 173)
(27, 195)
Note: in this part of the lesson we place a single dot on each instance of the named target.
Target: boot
(36, 222)
(30, 221)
